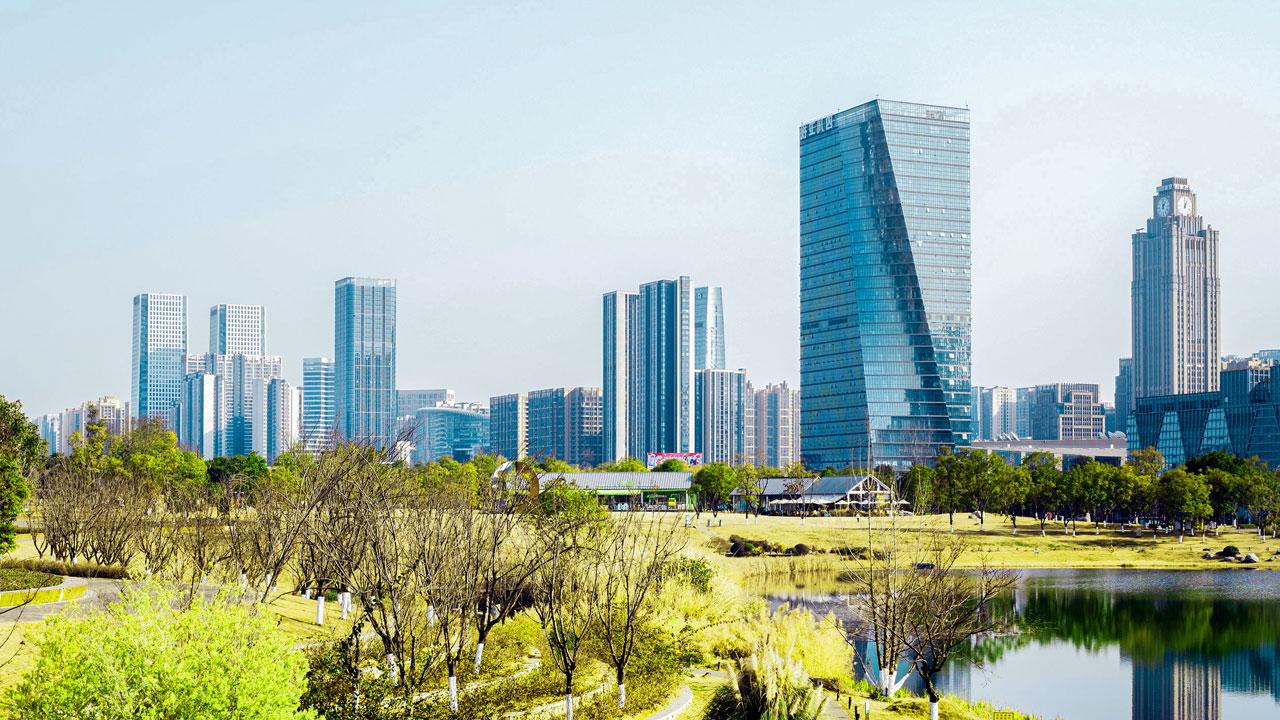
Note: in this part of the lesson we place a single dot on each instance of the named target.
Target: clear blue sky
(508, 165)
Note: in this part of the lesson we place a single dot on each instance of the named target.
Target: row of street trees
(1213, 486)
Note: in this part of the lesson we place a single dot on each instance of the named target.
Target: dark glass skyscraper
(364, 369)
(885, 321)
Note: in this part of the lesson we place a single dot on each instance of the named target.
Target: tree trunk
(453, 693)
(479, 654)
(568, 696)
(622, 689)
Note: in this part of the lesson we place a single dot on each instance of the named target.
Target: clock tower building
(1175, 297)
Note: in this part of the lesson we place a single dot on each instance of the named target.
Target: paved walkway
(99, 593)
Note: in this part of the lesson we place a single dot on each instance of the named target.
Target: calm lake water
(1093, 644)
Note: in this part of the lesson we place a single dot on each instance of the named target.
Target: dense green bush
(22, 579)
(148, 657)
(57, 567)
(696, 571)
(1229, 551)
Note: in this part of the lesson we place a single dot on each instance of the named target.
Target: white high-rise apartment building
(620, 309)
(720, 415)
(107, 410)
(777, 425)
(998, 412)
(1175, 297)
(159, 350)
(283, 418)
(237, 330)
(252, 375)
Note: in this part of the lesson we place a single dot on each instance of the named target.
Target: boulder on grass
(1249, 558)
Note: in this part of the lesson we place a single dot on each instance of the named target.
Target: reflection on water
(1150, 645)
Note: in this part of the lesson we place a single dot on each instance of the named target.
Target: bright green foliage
(247, 469)
(626, 464)
(142, 658)
(672, 465)
(1184, 496)
(714, 483)
(19, 437)
(554, 465)
(13, 494)
(561, 497)
(20, 579)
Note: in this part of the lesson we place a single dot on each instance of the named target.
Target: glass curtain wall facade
(317, 402)
(708, 328)
(159, 353)
(662, 392)
(364, 345)
(885, 288)
(509, 425)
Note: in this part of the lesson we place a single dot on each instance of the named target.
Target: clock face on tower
(1162, 206)
(1184, 205)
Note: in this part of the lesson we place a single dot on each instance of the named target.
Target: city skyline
(118, 224)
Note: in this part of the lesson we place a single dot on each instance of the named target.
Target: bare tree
(883, 587)
(566, 593)
(508, 556)
(386, 539)
(950, 608)
(448, 576)
(283, 504)
(635, 555)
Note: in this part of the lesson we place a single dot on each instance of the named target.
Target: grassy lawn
(1108, 548)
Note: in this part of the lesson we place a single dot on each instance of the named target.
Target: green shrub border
(57, 593)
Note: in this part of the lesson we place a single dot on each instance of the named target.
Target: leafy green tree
(1094, 485)
(486, 465)
(21, 452)
(949, 483)
(13, 494)
(1044, 489)
(1147, 462)
(672, 465)
(1015, 483)
(917, 487)
(626, 464)
(749, 487)
(554, 465)
(982, 480)
(155, 654)
(19, 437)
(1226, 492)
(247, 469)
(1262, 500)
(1184, 497)
(714, 483)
